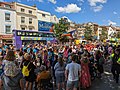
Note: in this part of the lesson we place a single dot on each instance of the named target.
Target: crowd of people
(58, 66)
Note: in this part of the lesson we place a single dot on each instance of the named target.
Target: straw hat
(26, 55)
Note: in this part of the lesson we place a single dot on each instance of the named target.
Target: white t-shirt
(73, 71)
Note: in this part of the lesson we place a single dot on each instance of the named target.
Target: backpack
(25, 70)
(10, 68)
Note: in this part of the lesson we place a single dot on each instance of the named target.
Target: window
(30, 12)
(27, 34)
(30, 20)
(30, 34)
(35, 34)
(22, 19)
(7, 16)
(7, 6)
(23, 28)
(22, 10)
(18, 33)
(30, 28)
(55, 18)
(8, 29)
(43, 15)
(40, 35)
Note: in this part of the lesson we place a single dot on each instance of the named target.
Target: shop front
(7, 39)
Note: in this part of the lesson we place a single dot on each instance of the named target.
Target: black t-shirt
(31, 67)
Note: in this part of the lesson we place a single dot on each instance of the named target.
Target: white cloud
(94, 2)
(114, 12)
(70, 8)
(97, 8)
(53, 1)
(97, 4)
(111, 22)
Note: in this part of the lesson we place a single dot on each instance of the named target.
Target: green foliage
(61, 28)
(103, 35)
(118, 34)
(88, 33)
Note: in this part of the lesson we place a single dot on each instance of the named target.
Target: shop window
(8, 29)
(30, 12)
(22, 10)
(7, 16)
(30, 20)
(43, 15)
(22, 19)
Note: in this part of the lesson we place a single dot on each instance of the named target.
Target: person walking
(72, 74)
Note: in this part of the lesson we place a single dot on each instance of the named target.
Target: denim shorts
(60, 78)
(72, 84)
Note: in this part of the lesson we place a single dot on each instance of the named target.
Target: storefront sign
(6, 36)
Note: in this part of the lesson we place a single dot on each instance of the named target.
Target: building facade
(44, 21)
(7, 22)
(26, 17)
(54, 19)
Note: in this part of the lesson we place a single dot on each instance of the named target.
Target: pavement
(106, 82)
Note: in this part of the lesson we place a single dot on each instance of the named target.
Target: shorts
(60, 78)
(72, 84)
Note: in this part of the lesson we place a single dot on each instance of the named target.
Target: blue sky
(103, 12)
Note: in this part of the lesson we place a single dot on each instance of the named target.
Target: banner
(44, 26)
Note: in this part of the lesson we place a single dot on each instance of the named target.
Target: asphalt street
(106, 82)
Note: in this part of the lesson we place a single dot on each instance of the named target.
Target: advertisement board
(36, 38)
(44, 26)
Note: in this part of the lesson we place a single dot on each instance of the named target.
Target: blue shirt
(0, 50)
(34, 50)
(28, 50)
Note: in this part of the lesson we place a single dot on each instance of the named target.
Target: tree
(61, 28)
(88, 33)
(103, 35)
(118, 34)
